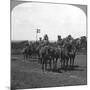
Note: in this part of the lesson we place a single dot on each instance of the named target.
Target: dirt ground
(29, 74)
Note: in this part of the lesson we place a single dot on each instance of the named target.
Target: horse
(27, 52)
(72, 55)
(64, 57)
(74, 48)
(71, 48)
(55, 56)
(65, 49)
(45, 57)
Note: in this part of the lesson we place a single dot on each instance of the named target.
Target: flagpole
(37, 31)
(36, 35)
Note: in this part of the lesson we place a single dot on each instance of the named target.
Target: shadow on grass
(55, 70)
(69, 68)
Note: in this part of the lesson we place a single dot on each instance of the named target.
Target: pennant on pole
(38, 30)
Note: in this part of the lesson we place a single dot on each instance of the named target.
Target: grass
(28, 74)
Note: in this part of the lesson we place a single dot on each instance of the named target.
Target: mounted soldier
(68, 43)
(46, 40)
(67, 50)
(42, 43)
(59, 41)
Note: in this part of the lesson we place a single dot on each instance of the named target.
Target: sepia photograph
(48, 44)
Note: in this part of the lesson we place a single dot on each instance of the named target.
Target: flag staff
(36, 35)
(37, 31)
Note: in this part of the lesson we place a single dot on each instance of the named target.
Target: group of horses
(51, 54)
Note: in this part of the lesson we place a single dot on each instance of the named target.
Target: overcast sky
(51, 19)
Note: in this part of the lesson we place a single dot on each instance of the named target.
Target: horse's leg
(42, 65)
(73, 61)
(53, 64)
(56, 63)
(24, 56)
(50, 63)
(39, 60)
(67, 62)
(64, 63)
(70, 61)
(61, 63)
(27, 56)
(46, 65)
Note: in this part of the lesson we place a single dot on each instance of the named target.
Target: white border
(5, 44)
(62, 1)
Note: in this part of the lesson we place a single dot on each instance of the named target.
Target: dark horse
(71, 52)
(55, 53)
(64, 57)
(72, 55)
(27, 52)
(67, 53)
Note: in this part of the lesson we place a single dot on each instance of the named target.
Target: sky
(51, 19)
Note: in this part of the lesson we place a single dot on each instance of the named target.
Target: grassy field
(28, 74)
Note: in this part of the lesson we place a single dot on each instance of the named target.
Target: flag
(38, 30)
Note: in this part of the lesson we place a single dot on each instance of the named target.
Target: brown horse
(55, 56)
(45, 57)
(25, 52)
(64, 57)
(72, 55)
